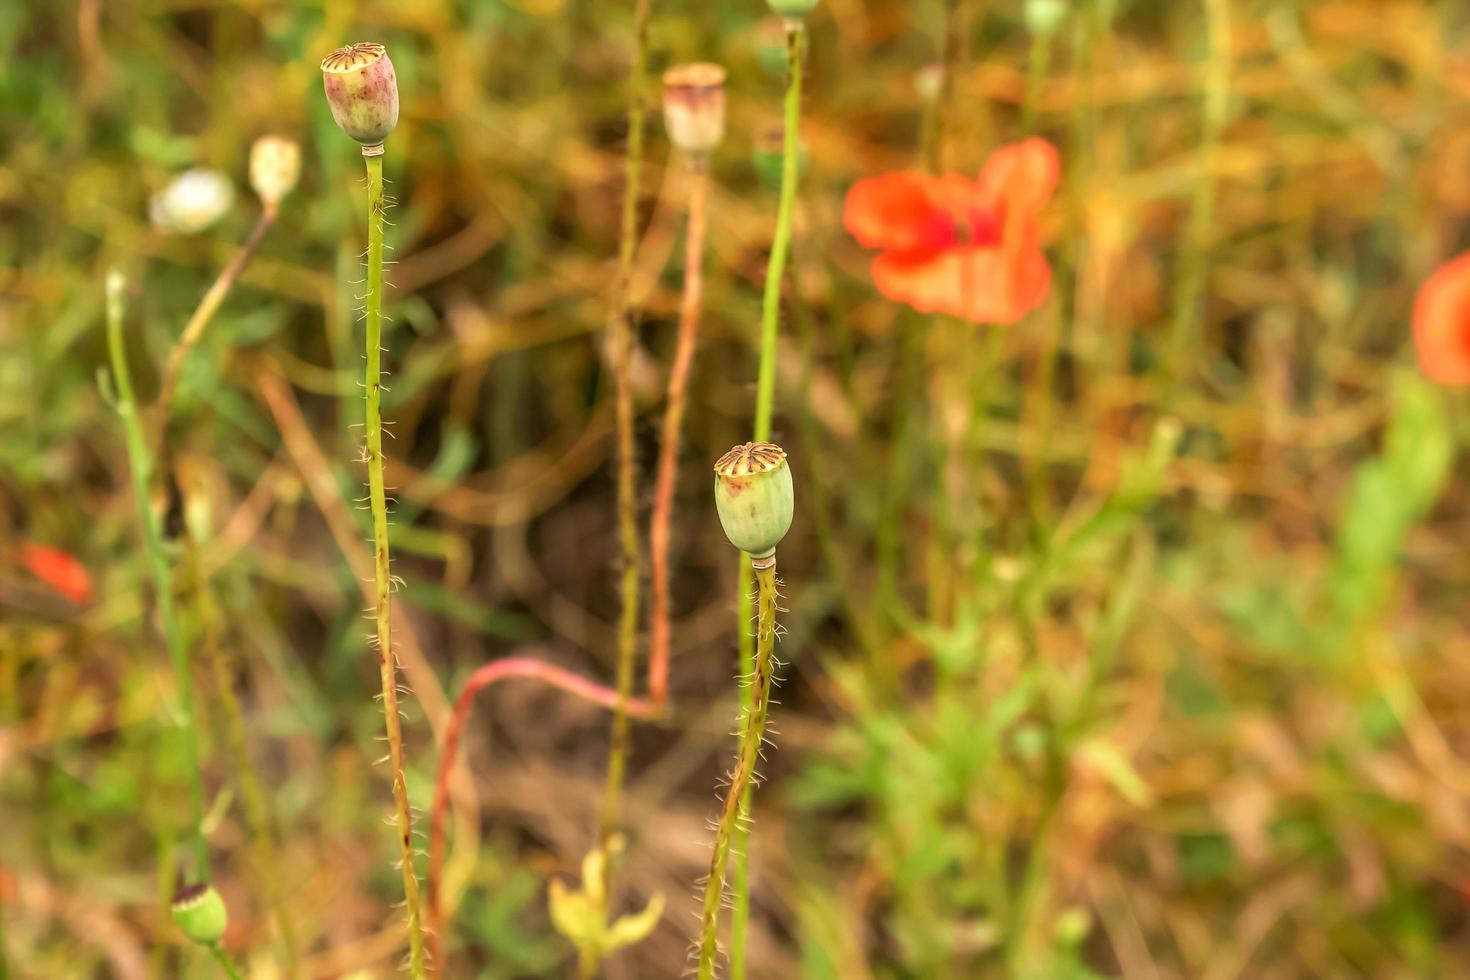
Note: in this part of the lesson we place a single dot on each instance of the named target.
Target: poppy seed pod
(754, 497)
(362, 90)
(200, 913)
(792, 9)
(1043, 17)
(275, 166)
(694, 107)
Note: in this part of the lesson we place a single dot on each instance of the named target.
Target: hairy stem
(735, 809)
(622, 344)
(498, 670)
(382, 576)
(668, 458)
(765, 398)
(140, 462)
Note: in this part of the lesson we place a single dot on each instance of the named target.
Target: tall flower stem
(252, 793)
(742, 777)
(140, 462)
(1183, 330)
(668, 459)
(622, 344)
(382, 576)
(497, 670)
(765, 397)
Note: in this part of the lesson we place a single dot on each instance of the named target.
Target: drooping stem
(752, 731)
(557, 677)
(204, 313)
(765, 397)
(668, 459)
(1183, 332)
(140, 462)
(622, 351)
(382, 574)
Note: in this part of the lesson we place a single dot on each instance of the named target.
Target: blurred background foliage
(1128, 641)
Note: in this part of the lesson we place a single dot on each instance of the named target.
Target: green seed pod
(792, 9)
(754, 497)
(1043, 17)
(200, 913)
(766, 155)
(362, 90)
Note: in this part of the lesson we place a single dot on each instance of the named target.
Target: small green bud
(1043, 17)
(754, 497)
(200, 913)
(767, 155)
(792, 9)
(362, 90)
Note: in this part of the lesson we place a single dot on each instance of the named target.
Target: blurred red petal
(897, 211)
(1019, 176)
(1442, 323)
(58, 569)
(982, 285)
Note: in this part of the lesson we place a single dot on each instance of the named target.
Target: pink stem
(496, 670)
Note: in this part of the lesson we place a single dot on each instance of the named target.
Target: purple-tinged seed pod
(362, 90)
(694, 107)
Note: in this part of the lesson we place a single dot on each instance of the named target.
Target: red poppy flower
(59, 570)
(970, 248)
(1442, 323)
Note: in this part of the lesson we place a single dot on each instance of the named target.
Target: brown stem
(668, 457)
(204, 313)
(559, 678)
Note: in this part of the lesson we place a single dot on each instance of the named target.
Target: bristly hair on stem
(668, 460)
(382, 574)
(734, 811)
(621, 336)
(140, 463)
(764, 412)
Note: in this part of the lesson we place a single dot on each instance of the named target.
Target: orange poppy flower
(969, 248)
(59, 570)
(1442, 323)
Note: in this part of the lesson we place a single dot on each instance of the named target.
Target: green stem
(257, 809)
(1037, 66)
(735, 808)
(140, 462)
(765, 388)
(382, 576)
(225, 962)
(622, 343)
(765, 397)
(1183, 332)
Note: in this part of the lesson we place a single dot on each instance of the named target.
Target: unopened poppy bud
(191, 202)
(200, 913)
(792, 9)
(754, 497)
(929, 81)
(694, 107)
(767, 154)
(1043, 17)
(275, 166)
(362, 90)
